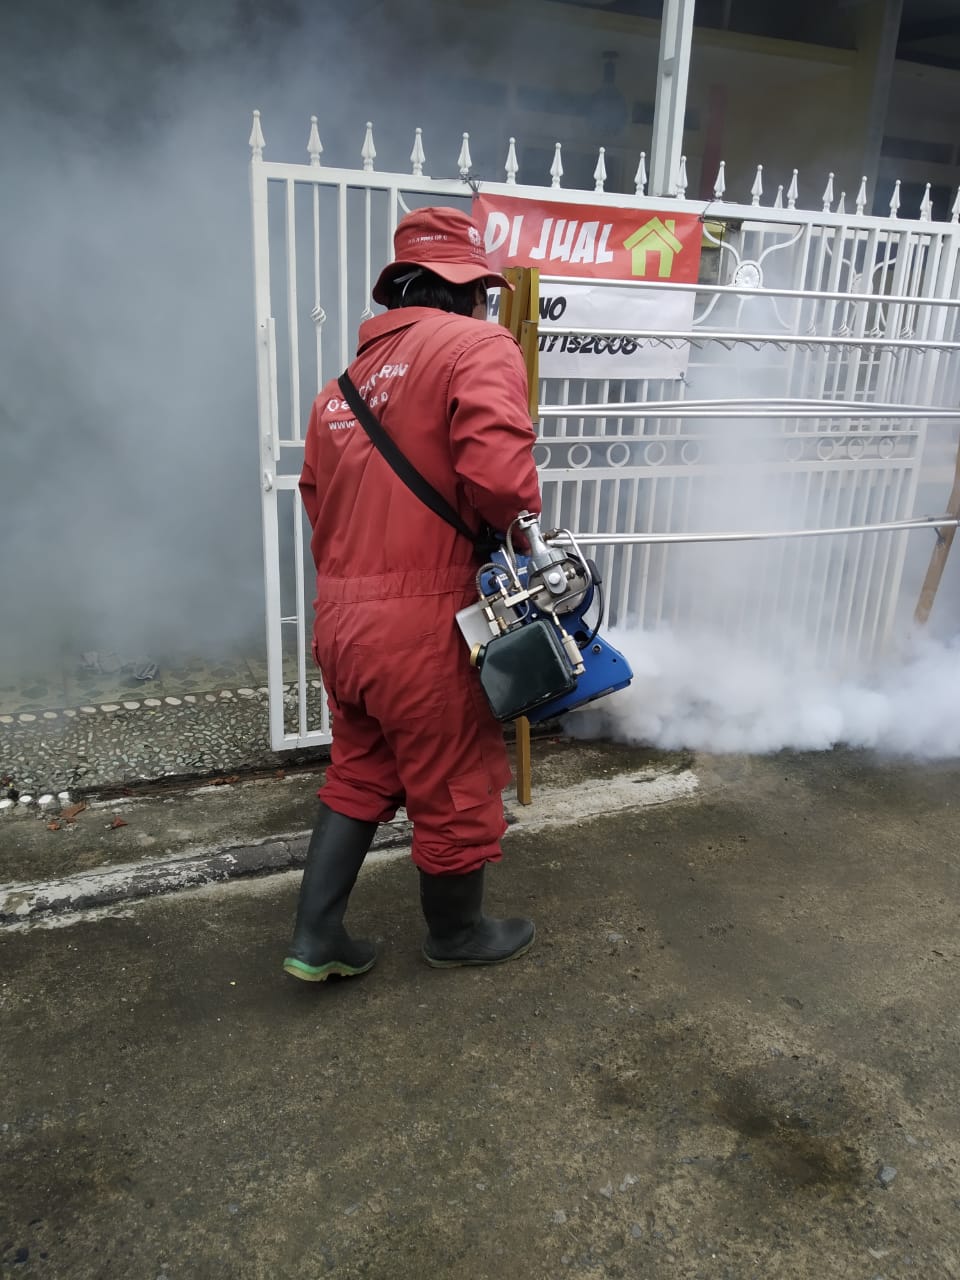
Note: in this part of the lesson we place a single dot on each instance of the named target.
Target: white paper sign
(592, 306)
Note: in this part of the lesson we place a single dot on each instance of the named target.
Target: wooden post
(520, 313)
(938, 560)
(524, 762)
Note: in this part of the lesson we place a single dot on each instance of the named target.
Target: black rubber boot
(321, 945)
(459, 931)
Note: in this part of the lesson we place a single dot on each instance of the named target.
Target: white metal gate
(849, 325)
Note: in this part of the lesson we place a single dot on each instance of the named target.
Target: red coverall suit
(411, 725)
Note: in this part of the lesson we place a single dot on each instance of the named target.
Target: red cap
(444, 241)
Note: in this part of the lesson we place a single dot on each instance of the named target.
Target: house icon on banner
(655, 236)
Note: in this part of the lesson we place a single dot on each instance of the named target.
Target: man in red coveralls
(411, 725)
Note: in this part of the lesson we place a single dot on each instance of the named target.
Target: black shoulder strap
(405, 469)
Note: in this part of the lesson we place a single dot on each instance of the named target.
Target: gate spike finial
(756, 191)
(256, 141)
(842, 203)
(681, 189)
(556, 169)
(464, 161)
(417, 155)
(720, 186)
(600, 172)
(862, 195)
(314, 145)
(793, 192)
(640, 177)
(926, 205)
(955, 211)
(828, 195)
(778, 203)
(895, 199)
(512, 167)
(368, 152)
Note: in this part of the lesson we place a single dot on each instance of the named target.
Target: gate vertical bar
(269, 427)
(293, 327)
(318, 313)
(343, 290)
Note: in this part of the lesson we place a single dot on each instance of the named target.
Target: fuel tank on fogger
(531, 638)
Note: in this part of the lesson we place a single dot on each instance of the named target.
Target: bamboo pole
(938, 561)
(520, 312)
(524, 762)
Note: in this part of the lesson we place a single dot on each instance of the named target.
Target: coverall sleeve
(491, 436)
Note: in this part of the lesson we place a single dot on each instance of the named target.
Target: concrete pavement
(732, 1053)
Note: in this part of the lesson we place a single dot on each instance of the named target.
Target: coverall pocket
(399, 680)
(469, 790)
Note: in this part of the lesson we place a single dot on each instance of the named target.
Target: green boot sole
(321, 972)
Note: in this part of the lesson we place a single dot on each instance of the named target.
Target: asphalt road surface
(732, 1053)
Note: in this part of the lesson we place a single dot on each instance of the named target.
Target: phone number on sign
(591, 344)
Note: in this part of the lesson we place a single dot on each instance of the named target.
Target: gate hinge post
(676, 35)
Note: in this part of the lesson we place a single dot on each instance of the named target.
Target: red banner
(590, 240)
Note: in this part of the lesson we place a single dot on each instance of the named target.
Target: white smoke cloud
(129, 500)
(702, 691)
(806, 643)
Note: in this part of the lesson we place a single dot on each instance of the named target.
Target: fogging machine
(530, 635)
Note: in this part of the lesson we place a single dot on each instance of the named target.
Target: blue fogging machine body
(530, 635)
